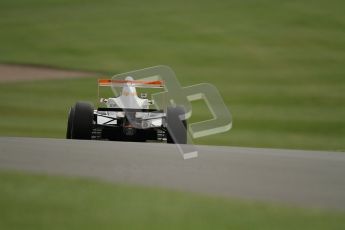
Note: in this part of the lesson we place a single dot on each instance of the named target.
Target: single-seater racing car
(127, 117)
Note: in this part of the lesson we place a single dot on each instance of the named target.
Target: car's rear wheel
(82, 121)
(177, 127)
(70, 123)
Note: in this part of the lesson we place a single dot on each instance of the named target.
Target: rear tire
(176, 126)
(70, 123)
(82, 121)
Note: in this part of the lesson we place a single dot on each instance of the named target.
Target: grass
(279, 65)
(50, 202)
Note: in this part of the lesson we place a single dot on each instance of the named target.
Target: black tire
(175, 126)
(70, 123)
(82, 121)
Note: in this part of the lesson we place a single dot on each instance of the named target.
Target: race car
(127, 117)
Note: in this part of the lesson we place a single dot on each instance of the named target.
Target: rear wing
(135, 83)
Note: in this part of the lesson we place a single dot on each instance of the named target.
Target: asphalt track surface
(302, 178)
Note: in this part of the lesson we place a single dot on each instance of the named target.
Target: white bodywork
(129, 100)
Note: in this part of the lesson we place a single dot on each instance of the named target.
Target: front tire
(82, 121)
(177, 128)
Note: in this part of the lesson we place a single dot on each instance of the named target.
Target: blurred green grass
(49, 202)
(278, 64)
